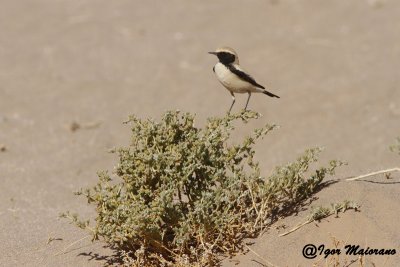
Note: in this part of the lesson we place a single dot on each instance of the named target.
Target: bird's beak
(213, 53)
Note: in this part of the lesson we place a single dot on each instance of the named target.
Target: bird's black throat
(226, 57)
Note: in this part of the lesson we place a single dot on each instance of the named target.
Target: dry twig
(373, 173)
(297, 227)
(70, 245)
(258, 255)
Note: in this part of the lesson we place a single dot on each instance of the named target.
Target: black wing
(244, 76)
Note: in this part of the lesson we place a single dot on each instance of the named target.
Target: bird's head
(226, 55)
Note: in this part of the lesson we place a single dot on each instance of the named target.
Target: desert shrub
(182, 195)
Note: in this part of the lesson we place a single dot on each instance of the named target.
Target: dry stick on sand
(297, 227)
(258, 255)
(373, 173)
(320, 213)
(317, 213)
(70, 245)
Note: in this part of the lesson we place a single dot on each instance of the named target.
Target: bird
(235, 78)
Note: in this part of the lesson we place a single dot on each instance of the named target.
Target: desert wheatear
(233, 77)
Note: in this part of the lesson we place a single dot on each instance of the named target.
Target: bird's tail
(270, 94)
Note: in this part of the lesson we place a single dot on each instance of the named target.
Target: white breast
(231, 81)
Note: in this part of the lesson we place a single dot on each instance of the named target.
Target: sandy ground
(335, 65)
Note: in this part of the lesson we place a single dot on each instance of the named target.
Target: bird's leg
(233, 102)
(247, 101)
